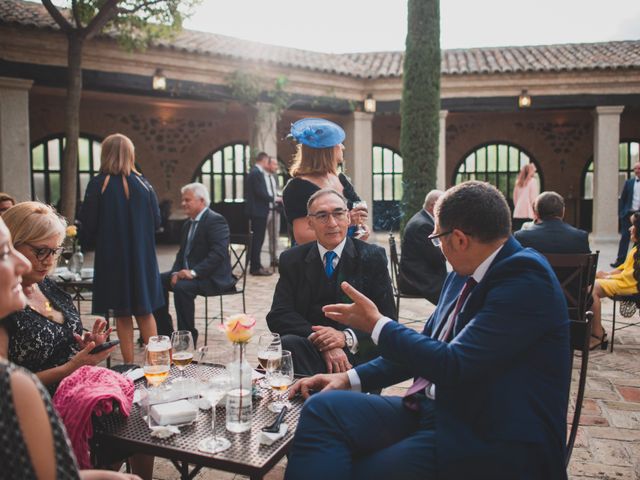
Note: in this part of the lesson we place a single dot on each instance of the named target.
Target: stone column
(15, 156)
(441, 171)
(605, 175)
(357, 156)
(264, 130)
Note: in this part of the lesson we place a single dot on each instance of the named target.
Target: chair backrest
(395, 262)
(580, 337)
(239, 254)
(576, 273)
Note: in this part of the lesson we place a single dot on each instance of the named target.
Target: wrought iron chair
(395, 271)
(239, 254)
(629, 304)
(580, 338)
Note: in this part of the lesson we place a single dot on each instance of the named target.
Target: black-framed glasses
(435, 238)
(340, 215)
(42, 253)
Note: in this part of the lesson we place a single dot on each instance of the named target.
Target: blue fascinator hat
(317, 133)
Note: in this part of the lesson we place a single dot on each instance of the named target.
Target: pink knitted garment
(86, 391)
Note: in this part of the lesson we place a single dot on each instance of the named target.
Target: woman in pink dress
(524, 193)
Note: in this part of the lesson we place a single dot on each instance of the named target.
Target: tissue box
(174, 413)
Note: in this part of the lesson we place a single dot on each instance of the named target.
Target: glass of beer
(181, 350)
(157, 360)
(269, 352)
(279, 380)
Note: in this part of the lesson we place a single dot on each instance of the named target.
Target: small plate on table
(86, 273)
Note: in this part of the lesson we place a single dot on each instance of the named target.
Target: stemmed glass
(214, 383)
(269, 353)
(359, 214)
(157, 360)
(279, 379)
(182, 351)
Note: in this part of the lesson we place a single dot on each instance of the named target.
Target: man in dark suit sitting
(549, 233)
(310, 277)
(422, 265)
(202, 265)
(491, 368)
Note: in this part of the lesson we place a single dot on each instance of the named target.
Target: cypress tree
(420, 105)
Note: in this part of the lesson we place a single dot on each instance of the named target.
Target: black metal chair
(580, 339)
(629, 304)
(576, 273)
(395, 272)
(239, 253)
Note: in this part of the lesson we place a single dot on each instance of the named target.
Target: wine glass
(359, 215)
(66, 254)
(269, 352)
(182, 351)
(214, 383)
(157, 360)
(279, 380)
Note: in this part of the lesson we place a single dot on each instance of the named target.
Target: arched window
(387, 168)
(46, 166)
(628, 156)
(496, 163)
(223, 172)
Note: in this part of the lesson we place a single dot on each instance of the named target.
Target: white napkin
(164, 431)
(266, 438)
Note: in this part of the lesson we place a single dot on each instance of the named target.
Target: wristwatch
(193, 273)
(348, 339)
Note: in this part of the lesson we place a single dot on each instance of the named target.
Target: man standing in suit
(259, 198)
(202, 265)
(491, 368)
(549, 233)
(628, 204)
(422, 265)
(310, 277)
(273, 219)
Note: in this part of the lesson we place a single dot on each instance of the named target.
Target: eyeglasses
(323, 217)
(435, 238)
(42, 253)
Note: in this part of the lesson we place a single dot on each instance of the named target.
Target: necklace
(44, 307)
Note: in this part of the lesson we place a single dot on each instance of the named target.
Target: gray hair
(431, 198)
(321, 193)
(199, 190)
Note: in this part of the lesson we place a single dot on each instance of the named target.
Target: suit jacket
(301, 270)
(209, 253)
(625, 202)
(257, 198)
(422, 266)
(554, 236)
(503, 379)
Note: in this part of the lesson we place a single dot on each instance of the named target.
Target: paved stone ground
(608, 443)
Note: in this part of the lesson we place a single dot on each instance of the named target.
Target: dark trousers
(623, 246)
(348, 435)
(258, 227)
(184, 295)
(306, 358)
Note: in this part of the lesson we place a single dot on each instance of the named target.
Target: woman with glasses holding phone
(46, 336)
(315, 166)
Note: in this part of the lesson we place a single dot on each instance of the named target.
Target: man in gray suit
(549, 233)
(202, 265)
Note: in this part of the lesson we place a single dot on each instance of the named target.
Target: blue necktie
(328, 263)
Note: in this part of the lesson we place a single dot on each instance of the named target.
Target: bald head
(431, 199)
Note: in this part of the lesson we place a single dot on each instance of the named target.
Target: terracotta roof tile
(493, 60)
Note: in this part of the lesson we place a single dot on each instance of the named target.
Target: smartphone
(104, 346)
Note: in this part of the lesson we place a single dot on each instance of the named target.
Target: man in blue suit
(491, 368)
(628, 204)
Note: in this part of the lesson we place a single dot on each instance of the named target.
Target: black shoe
(616, 264)
(262, 273)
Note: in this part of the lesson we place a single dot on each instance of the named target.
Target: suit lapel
(347, 272)
(313, 267)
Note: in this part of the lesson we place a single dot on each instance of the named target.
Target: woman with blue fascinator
(315, 166)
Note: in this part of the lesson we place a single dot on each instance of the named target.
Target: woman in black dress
(120, 215)
(33, 443)
(46, 336)
(315, 166)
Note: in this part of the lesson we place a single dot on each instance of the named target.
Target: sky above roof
(338, 26)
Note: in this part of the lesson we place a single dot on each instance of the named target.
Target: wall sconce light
(524, 100)
(159, 80)
(370, 104)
